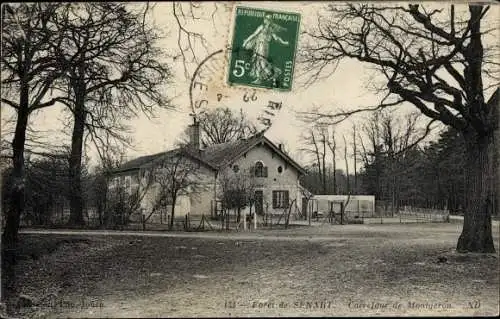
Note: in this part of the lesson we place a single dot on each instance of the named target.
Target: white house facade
(275, 176)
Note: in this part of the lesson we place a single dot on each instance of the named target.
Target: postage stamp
(263, 48)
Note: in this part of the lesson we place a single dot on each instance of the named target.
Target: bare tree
(332, 145)
(348, 183)
(386, 155)
(192, 44)
(238, 191)
(316, 141)
(438, 61)
(115, 71)
(222, 125)
(319, 140)
(125, 198)
(323, 140)
(111, 157)
(346, 162)
(174, 175)
(28, 72)
(355, 157)
(372, 154)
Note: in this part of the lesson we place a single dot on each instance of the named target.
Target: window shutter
(265, 172)
(275, 199)
(252, 171)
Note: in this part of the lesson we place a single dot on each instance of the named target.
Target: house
(275, 175)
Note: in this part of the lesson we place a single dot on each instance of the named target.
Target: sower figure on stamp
(258, 42)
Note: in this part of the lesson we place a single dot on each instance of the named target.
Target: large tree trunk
(13, 218)
(75, 164)
(18, 183)
(496, 162)
(476, 234)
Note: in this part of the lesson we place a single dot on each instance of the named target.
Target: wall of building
(201, 199)
(287, 180)
(196, 202)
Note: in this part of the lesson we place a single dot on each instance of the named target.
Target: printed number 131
(239, 68)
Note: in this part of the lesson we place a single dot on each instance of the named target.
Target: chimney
(280, 146)
(194, 135)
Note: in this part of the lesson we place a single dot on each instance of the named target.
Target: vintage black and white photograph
(250, 159)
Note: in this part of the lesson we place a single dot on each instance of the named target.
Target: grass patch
(34, 247)
(350, 265)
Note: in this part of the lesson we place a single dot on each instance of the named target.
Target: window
(280, 199)
(280, 169)
(260, 170)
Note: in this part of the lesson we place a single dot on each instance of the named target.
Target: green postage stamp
(263, 48)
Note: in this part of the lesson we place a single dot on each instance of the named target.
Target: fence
(414, 214)
(405, 215)
(185, 222)
(229, 220)
(57, 216)
(408, 215)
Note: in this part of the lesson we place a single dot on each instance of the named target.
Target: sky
(345, 88)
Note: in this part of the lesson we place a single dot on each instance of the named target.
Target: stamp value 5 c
(263, 48)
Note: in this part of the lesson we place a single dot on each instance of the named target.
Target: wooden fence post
(342, 209)
(254, 220)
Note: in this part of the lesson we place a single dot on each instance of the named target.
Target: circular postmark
(209, 90)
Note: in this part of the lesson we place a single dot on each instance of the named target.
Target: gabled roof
(149, 160)
(220, 155)
(139, 162)
(215, 156)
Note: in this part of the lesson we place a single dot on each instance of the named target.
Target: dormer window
(260, 170)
